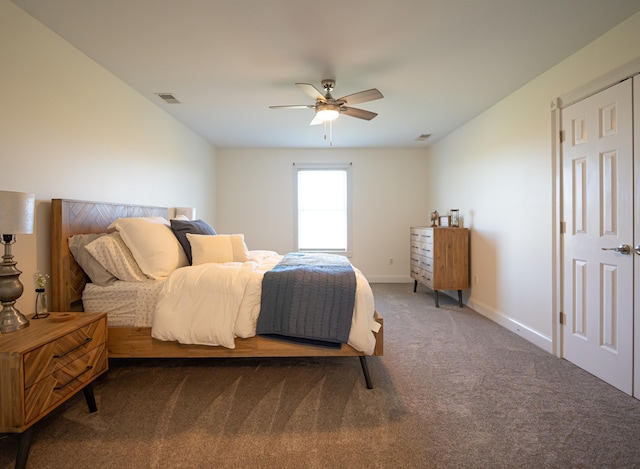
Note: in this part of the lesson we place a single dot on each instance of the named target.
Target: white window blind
(322, 197)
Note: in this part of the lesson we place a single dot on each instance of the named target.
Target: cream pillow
(112, 253)
(218, 248)
(153, 245)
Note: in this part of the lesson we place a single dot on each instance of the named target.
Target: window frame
(347, 167)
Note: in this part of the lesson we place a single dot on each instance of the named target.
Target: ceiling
(438, 63)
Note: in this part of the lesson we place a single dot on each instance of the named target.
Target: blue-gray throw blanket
(308, 298)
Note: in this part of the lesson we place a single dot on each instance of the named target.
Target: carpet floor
(453, 390)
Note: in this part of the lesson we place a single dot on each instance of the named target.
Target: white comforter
(211, 304)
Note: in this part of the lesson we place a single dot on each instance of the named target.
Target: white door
(597, 154)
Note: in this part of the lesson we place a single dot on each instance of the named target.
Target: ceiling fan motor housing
(328, 84)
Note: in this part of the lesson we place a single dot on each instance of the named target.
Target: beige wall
(498, 170)
(70, 129)
(255, 197)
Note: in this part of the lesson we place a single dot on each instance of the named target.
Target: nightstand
(43, 365)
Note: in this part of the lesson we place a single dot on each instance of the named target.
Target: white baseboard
(511, 324)
(390, 279)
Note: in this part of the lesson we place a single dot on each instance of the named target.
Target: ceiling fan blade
(294, 106)
(359, 113)
(316, 120)
(312, 91)
(362, 96)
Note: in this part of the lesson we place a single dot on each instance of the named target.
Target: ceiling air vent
(423, 137)
(168, 98)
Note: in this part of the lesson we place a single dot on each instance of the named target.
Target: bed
(68, 280)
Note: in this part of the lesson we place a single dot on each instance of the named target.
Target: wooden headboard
(69, 217)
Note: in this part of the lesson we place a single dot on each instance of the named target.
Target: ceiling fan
(328, 108)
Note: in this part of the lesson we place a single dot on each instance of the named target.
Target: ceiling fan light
(327, 114)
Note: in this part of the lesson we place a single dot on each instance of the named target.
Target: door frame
(636, 226)
(603, 82)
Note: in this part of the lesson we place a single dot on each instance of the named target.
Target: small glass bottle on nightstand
(42, 310)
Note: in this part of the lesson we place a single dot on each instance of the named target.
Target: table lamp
(16, 217)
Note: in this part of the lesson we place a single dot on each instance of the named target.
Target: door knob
(622, 249)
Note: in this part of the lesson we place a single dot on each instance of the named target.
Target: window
(322, 197)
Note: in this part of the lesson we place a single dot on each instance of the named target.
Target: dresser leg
(460, 298)
(415, 286)
(437, 298)
(24, 443)
(89, 397)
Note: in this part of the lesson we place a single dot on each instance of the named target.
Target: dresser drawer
(415, 240)
(425, 263)
(57, 354)
(426, 278)
(426, 235)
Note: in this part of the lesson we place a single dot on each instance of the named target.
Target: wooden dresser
(439, 259)
(46, 363)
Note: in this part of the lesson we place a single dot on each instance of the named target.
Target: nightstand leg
(23, 448)
(89, 397)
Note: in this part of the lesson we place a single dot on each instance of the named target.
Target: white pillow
(218, 248)
(112, 253)
(153, 245)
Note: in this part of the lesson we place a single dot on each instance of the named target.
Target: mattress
(129, 304)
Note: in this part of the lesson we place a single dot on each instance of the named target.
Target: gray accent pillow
(98, 274)
(180, 228)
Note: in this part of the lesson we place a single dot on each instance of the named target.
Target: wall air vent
(168, 98)
(423, 137)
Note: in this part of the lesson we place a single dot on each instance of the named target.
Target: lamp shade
(16, 212)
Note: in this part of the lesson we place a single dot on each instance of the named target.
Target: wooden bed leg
(365, 371)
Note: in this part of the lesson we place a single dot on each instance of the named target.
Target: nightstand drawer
(54, 388)
(49, 358)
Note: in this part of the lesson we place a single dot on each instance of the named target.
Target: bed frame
(69, 217)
